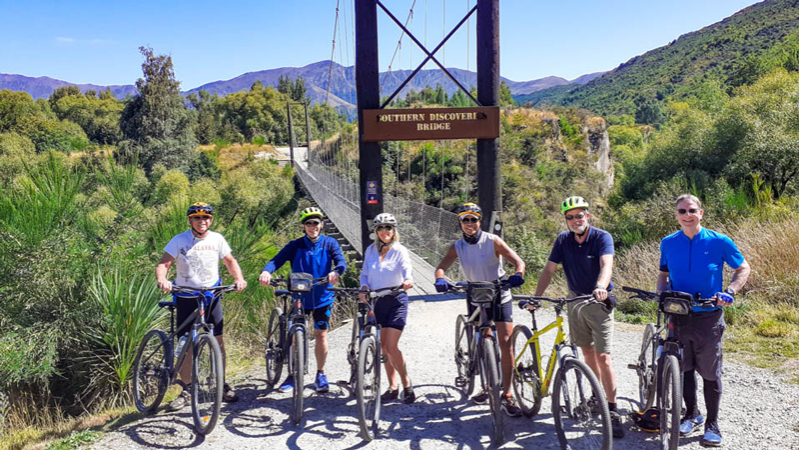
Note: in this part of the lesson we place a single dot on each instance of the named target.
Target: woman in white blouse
(387, 264)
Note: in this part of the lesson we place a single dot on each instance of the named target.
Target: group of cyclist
(692, 260)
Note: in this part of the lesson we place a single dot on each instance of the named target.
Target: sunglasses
(384, 228)
(202, 217)
(576, 216)
(311, 223)
(687, 211)
(470, 220)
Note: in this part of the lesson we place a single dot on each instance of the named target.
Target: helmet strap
(197, 234)
(473, 239)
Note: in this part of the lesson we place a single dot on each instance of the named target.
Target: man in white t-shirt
(197, 253)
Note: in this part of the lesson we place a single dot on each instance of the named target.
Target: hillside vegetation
(733, 52)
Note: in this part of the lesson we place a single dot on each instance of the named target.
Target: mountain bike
(154, 369)
(580, 422)
(477, 350)
(287, 337)
(364, 354)
(659, 365)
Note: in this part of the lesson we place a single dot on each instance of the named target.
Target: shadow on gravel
(170, 431)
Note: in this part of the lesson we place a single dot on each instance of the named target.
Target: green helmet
(573, 202)
(308, 213)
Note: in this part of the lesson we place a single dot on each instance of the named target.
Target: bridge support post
(489, 177)
(291, 134)
(307, 128)
(367, 81)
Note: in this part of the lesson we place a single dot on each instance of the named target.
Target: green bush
(172, 186)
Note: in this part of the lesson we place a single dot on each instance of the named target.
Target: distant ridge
(342, 83)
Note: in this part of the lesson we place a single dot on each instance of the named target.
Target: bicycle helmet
(470, 208)
(384, 219)
(200, 209)
(309, 213)
(573, 202)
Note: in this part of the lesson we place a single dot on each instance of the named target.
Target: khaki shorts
(590, 324)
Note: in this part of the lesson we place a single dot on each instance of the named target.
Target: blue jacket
(316, 259)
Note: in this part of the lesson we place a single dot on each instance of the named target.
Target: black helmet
(200, 209)
(470, 208)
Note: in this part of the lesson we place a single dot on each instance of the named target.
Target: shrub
(172, 186)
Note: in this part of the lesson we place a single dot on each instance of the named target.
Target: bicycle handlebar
(462, 286)
(652, 296)
(535, 301)
(372, 293)
(192, 290)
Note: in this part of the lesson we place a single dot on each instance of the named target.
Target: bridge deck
(346, 215)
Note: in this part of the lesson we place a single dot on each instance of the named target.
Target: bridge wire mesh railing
(425, 230)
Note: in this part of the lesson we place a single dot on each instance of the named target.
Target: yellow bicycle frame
(560, 338)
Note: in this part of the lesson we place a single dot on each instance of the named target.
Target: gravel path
(758, 410)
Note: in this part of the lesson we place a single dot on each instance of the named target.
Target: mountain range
(342, 83)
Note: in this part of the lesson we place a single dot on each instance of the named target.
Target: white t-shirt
(197, 259)
(392, 271)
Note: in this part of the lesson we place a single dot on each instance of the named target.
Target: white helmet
(384, 219)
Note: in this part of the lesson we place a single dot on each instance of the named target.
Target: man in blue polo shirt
(586, 254)
(320, 256)
(692, 260)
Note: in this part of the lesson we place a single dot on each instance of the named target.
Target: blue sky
(97, 41)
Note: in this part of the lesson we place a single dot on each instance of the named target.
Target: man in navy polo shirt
(586, 254)
(692, 260)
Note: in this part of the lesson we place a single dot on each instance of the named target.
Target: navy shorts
(498, 313)
(391, 311)
(700, 335)
(321, 316)
(186, 307)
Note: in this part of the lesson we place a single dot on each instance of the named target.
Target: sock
(611, 406)
(712, 400)
(689, 393)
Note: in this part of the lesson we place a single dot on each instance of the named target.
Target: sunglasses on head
(312, 223)
(470, 220)
(575, 216)
(689, 211)
(384, 227)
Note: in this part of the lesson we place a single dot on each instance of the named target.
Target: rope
(399, 44)
(332, 55)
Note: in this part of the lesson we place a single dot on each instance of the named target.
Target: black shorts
(321, 316)
(498, 313)
(700, 335)
(187, 305)
(392, 311)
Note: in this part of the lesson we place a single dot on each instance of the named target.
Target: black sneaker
(229, 395)
(510, 408)
(593, 403)
(481, 398)
(409, 395)
(615, 423)
(390, 395)
(180, 401)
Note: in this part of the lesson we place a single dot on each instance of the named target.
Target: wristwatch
(730, 291)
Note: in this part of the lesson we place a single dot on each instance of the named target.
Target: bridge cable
(396, 49)
(332, 54)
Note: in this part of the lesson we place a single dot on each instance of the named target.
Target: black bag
(300, 282)
(676, 303)
(481, 292)
(647, 421)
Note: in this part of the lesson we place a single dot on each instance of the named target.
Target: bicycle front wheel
(352, 352)
(273, 354)
(369, 387)
(207, 378)
(463, 355)
(526, 380)
(670, 404)
(298, 371)
(646, 369)
(150, 372)
(579, 427)
(493, 385)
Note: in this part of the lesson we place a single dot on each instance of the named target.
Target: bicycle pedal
(383, 358)
(632, 366)
(460, 382)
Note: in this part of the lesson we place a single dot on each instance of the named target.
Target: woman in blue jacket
(320, 256)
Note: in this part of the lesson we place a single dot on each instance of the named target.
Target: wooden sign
(423, 124)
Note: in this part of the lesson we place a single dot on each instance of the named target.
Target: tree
(208, 124)
(156, 124)
(505, 97)
(299, 90)
(649, 111)
(284, 85)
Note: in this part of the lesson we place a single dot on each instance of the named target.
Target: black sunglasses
(689, 210)
(470, 220)
(312, 223)
(576, 216)
(384, 227)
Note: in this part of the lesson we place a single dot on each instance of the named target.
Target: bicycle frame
(554, 357)
(483, 328)
(293, 319)
(197, 319)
